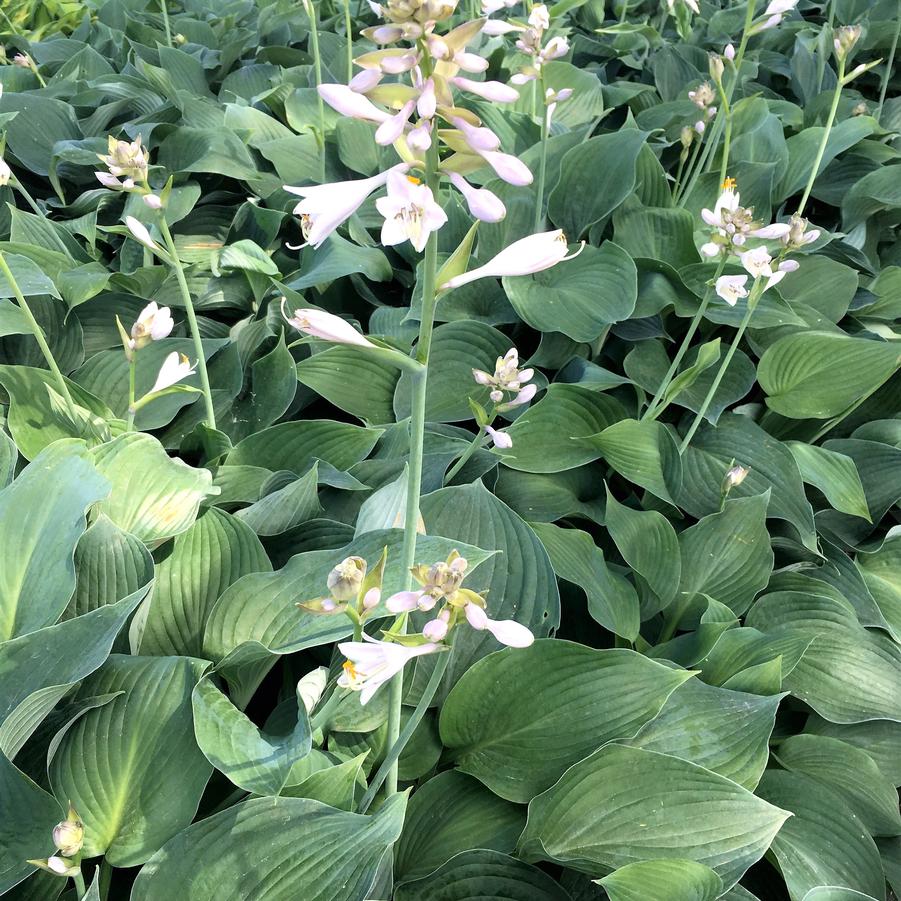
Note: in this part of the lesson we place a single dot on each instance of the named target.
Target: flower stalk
(756, 291)
(652, 410)
(192, 321)
(38, 333)
(310, 8)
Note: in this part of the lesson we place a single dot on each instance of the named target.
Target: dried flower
(845, 39)
(126, 159)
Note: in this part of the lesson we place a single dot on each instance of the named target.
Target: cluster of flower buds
(372, 662)
(703, 97)
(531, 42)
(732, 223)
(844, 40)
(354, 589)
(442, 583)
(128, 166)
(507, 378)
(68, 837)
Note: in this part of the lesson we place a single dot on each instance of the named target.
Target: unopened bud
(729, 52)
(68, 836)
(153, 201)
(371, 598)
(180, 39)
(734, 477)
(345, 579)
(686, 137)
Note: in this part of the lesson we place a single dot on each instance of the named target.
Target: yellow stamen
(729, 184)
(414, 180)
(350, 669)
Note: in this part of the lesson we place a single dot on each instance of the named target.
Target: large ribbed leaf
(578, 699)
(663, 880)
(131, 767)
(216, 551)
(153, 496)
(42, 517)
(824, 843)
(451, 813)
(270, 849)
(672, 807)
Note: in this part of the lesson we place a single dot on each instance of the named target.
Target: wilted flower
(325, 207)
(524, 257)
(370, 663)
(5, 172)
(354, 589)
(501, 440)
(410, 211)
(731, 288)
(68, 836)
(175, 368)
(126, 159)
(440, 580)
(153, 324)
(345, 579)
(716, 67)
(327, 326)
(702, 97)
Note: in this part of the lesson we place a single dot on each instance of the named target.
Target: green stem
(671, 618)
(39, 335)
(753, 297)
(822, 52)
(727, 137)
(348, 29)
(192, 321)
(389, 764)
(890, 63)
(542, 165)
(719, 121)
(317, 69)
(132, 364)
(683, 156)
(417, 437)
(28, 198)
(686, 342)
(836, 96)
(691, 169)
(164, 7)
(474, 445)
(80, 887)
(321, 719)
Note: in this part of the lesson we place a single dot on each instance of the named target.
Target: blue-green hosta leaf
(815, 375)
(725, 731)
(39, 529)
(484, 874)
(881, 571)
(588, 822)
(824, 843)
(612, 600)
(546, 438)
(284, 508)
(586, 192)
(29, 817)
(579, 699)
(663, 880)
(250, 758)
(834, 474)
(293, 446)
(216, 551)
(581, 297)
(38, 668)
(451, 813)
(109, 565)
(848, 771)
(851, 674)
(727, 555)
(878, 738)
(268, 849)
(153, 496)
(132, 768)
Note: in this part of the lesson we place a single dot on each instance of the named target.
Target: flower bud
(733, 478)
(68, 836)
(5, 172)
(716, 67)
(729, 52)
(153, 201)
(345, 579)
(180, 39)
